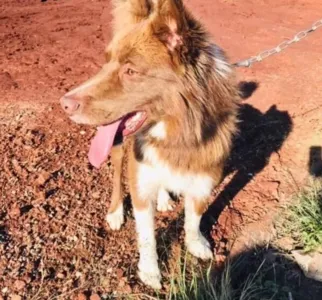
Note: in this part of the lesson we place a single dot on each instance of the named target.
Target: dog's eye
(130, 72)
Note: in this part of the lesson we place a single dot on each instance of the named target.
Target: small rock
(42, 178)
(95, 297)
(119, 273)
(19, 284)
(272, 188)
(96, 195)
(14, 211)
(121, 284)
(78, 274)
(60, 276)
(81, 296)
(310, 263)
(18, 117)
(82, 132)
(105, 282)
(15, 297)
(127, 289)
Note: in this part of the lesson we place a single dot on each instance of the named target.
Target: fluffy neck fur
(200, 112)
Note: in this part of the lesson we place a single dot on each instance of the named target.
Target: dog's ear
(128, 12)
(170, 22)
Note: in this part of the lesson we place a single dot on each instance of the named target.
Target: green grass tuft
(304, 217)
(192, 283)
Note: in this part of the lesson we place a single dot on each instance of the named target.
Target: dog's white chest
(157, 174)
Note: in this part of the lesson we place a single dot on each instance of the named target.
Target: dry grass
(193, 283)
(303, 220)
(260, 273)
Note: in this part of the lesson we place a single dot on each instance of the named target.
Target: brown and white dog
(168, 88)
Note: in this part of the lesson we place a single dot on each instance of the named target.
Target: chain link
(282, 46)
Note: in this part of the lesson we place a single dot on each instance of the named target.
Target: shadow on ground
(315, 161)
(268, 274)
(260, 135)
(259, 273)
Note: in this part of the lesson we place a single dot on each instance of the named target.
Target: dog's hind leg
(163, 201)
(195, 242)
(196, 202)
(115, 216)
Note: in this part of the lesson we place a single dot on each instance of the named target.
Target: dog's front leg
(144, 189)
(115, 216)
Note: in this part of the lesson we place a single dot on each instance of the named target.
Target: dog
(171, 91)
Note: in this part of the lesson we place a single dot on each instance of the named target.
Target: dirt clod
(95, 297)
(15, 297)
(43, 177)
(19, 284)
(81, 296)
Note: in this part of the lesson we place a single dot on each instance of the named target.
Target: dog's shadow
(260, 135)
(315, 161)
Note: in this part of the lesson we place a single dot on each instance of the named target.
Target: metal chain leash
(282, 46)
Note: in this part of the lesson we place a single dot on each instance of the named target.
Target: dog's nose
(69, 104)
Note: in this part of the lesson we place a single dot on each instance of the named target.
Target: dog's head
(142, 67)
(159, 64)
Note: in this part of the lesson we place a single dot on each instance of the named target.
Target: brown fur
(117, 158)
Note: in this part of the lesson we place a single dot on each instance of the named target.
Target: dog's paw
(151, 278)
(115, 219)
(199, 247)
(164, 206)
(163, 201)
(149, 272)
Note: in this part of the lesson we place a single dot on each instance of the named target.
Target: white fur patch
(80, 119)
(159, 131)
(196, 243)
(116, 218)
(90, 83)
(147, 186)
(222, 67)
(149, 271)
(160, 175)
(163, 201)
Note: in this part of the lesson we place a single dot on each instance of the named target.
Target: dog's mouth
(106, 135)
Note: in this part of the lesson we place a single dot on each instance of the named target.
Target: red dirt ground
(53, 237)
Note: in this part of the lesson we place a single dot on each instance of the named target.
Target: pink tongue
(102, 143)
